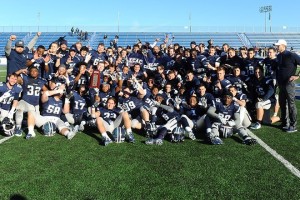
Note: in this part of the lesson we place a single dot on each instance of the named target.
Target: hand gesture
(38, 34)
(47, 58)
(13, 37)
(35, 55)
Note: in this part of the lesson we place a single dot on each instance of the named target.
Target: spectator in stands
(286, 76)
(16, 58)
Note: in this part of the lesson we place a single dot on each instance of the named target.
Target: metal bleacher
(183, 38)
(268, 39)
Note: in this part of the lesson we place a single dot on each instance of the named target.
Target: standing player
(16, 58)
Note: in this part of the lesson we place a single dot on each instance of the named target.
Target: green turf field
(55, 168)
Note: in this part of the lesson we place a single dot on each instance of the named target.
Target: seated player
(32, 86)
(225, 118)
(49, 119)
(111, 117)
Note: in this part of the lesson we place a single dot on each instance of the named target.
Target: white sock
(104, 134)
(30, 129)
(188, 129)
(128, 131)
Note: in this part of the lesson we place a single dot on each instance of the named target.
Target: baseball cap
(64, 42)
(281, 41)
(193, 42)
(19, 43)
(73, 49)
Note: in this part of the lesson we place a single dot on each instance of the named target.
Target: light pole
(266, 9)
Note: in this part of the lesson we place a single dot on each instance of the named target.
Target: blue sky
(152, 13)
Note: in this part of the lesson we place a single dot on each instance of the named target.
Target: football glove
(222, 120)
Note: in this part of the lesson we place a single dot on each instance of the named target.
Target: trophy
(95, 79)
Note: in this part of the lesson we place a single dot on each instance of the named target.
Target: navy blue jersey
(206, 100)
(241, 96)
(15, 93)
(78, 104)
(39, 63)
(169, 62)
(104, 96)
(97, 57)
(110, 115)
(270, 67)
(134, 58)
(51, 64)
(250, 65)
(263, 89)
(193, 113)
(148, 99)
(227, 112)
(72, 64)
(132, 105)
(225, 84)
(32, 89)
(164, 116)
(238, 81)
(199, 65)
(16, 61)
(52, 107)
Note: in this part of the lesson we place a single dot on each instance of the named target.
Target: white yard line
(280, 158)
(5, 139)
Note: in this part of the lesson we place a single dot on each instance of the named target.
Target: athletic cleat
(150, 141)
(81, 126)
(255, 126)
(76, 128)
(18, 132)
(291, 129)
(249, 141)
(70, 135)
(30, 135)
(216, 140)
(107, 141)
(158, 141)
(130, 138)
(191, 135)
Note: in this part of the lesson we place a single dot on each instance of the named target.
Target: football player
(32, 86)
(111, 117)
(225, 120)
(52, 108)
(10, 93)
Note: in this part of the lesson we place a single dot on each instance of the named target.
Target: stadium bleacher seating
(184, 39)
